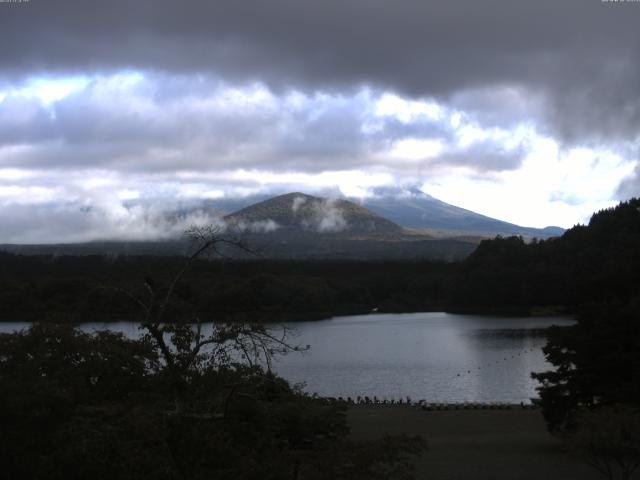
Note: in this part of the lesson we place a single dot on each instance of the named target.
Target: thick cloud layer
(167, 102)
(579, 55)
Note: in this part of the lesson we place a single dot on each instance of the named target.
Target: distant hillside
(306, 213)
(588, 263)
(275, 245)
(296, 225)
(166, 248)
(412, 208)
(415, 209)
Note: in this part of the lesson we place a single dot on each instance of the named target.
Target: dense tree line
(592, 263)
(89, 288)
(593, 393)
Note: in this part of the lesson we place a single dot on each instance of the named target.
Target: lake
(435, 356)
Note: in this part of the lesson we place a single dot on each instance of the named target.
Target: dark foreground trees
(597, 362)
(593, 396)
(180, 402)
(75, 405)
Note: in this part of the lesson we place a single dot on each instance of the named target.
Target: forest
(103, 406)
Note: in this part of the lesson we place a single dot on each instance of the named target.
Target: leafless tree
(185, 345)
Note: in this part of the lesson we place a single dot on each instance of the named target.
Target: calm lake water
(439, 357)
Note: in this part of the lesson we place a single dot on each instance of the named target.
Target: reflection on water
(510, 333)
(436, 356)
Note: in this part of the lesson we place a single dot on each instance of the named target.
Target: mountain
(297, 225)
(405, 206)
(391, 224)
(294, 226)
(298, 212)
(412, 208)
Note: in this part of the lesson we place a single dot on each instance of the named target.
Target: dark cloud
(580, 55)
(486, 156)
(499, 106)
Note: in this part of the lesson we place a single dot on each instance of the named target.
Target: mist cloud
(60, 223)
(261, 226)
(324, 216)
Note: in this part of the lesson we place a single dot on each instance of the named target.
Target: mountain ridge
(298, 225)
(412, 208)
(408, 207)
(301, 212)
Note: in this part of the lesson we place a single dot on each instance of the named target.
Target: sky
(113, 114)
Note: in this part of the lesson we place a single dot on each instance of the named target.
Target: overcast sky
(115, 112)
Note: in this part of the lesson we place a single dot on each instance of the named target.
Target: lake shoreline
(265, 317)
(439, 357)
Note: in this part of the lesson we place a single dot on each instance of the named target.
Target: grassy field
(475, 444)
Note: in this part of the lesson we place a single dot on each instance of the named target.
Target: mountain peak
(297, 211)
